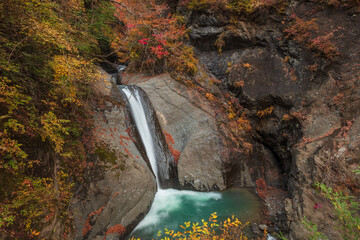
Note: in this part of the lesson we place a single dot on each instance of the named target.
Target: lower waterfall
(173, 207)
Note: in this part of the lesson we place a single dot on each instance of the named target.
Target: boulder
(255, 228)
(262, 227)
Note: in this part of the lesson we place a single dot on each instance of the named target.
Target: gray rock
(204, 32)
(113, 236)
(119, 191)
(263, 227)
(188, 119)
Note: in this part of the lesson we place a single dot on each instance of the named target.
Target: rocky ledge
(117, 194)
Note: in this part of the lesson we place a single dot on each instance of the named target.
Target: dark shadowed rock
(264, 74)
(208, 20)
(311, 133)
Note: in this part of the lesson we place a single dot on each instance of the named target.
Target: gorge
(271, 78)
(117, 117)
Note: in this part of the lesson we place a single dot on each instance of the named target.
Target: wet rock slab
(190, 128)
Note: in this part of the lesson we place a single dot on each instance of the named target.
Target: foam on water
(172, 208)
(170, 201)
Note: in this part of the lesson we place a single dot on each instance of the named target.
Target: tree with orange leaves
(152, 39)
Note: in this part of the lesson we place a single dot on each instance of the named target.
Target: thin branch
(129, 11)
(12, 51)
(124, 6)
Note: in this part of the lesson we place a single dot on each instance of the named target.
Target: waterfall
(172, 207)
(149, 137)
(139, 116)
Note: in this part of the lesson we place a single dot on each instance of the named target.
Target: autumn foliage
(232, 6)
(118, 228)
(152, 38)
(49, 76)
(87, 226)
(263, 189)
(48, 80)
(170, 141)
(303, 32)
(212, 228)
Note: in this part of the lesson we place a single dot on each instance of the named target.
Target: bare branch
(129, 11)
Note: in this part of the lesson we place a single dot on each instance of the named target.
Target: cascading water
(150, 139)
(141, 122)
(173, 207)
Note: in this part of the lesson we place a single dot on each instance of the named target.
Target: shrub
(265, 112)
(36, 200)
(302, 32)
(232, 6)
(153, 39)
(231, 228)
(313, 229)
(346, 209)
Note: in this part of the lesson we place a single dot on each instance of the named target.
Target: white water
(173, 207)
(142, 125)
(168, 201)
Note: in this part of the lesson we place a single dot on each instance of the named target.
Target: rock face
(304, 108)
(120, 190)
(190, 129)
(275, 77)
